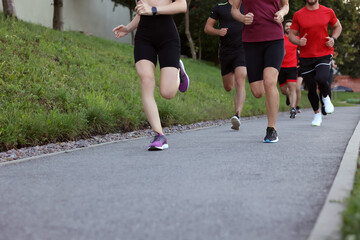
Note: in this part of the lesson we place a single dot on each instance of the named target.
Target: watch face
(154, 10)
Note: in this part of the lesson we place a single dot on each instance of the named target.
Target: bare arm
(247, 19)
(337, 29)
(178, 6)
(134, 23)
(210, 30)
(122, 31)
(295, 40)
(279, 16)
(235, 11)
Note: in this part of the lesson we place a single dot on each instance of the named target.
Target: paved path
(213, 183)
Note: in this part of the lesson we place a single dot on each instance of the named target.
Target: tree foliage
(129, 4)
(206, 46)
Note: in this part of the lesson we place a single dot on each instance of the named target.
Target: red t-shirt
(290, 58)
(263, 28)
(315, 24)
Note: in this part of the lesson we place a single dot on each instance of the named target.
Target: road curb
(13, 162)
(329, 221)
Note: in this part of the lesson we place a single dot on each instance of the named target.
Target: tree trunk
(200, 47)
(58, 20)
(9, 8)
(187, 31)
(132, 33)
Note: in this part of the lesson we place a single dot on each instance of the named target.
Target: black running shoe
(271, 135)
(323, 110)
(292, 113)
(287, 101)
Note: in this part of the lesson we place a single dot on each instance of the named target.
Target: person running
(263, 38)
(316, 49)
(298, 84)
(330, 81)
(288, 72)
(157, 36)
(232, 56)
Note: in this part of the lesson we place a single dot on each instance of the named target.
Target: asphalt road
(213, 183)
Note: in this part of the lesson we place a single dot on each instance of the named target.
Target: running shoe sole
(154, 148)
(235, 123)
(273, 141)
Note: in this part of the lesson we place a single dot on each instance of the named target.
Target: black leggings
(157, 36)
(316, 73)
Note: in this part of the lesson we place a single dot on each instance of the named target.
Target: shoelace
(271, 132)
(181, 75)
(156, 138)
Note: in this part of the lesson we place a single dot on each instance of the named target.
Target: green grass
(60, 86)
(351, 216)
(343, 98)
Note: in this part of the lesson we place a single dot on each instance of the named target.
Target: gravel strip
(16, 154)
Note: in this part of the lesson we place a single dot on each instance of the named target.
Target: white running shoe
(329, 107)
(235, 121)
(317, 120)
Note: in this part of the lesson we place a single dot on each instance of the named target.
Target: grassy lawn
(342, 98)
(60, 86)
(351, 216)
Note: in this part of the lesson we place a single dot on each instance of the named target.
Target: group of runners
(253, 44)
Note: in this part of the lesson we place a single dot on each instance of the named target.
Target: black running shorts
(260, 55)
(287, 75)
(157, 36)
(231, 59)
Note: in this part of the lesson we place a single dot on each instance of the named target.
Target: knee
(270, 83)
(228, 83)
(283, 91)
(258, 93)
(147, 82)
(228, 88)
(167, 94)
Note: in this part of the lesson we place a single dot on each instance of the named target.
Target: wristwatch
(154, 10)
(335, 39)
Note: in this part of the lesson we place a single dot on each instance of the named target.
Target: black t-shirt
(233, 38)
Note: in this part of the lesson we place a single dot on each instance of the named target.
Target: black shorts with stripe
(287, 75)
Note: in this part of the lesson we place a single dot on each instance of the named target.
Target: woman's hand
(279, 17)
(120, 31)
(248, 18)
(143, 8)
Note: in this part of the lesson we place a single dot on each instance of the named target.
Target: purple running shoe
(184, 78)
(158, 143)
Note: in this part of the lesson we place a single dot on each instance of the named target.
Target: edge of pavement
(3, 164)
(329, 222)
